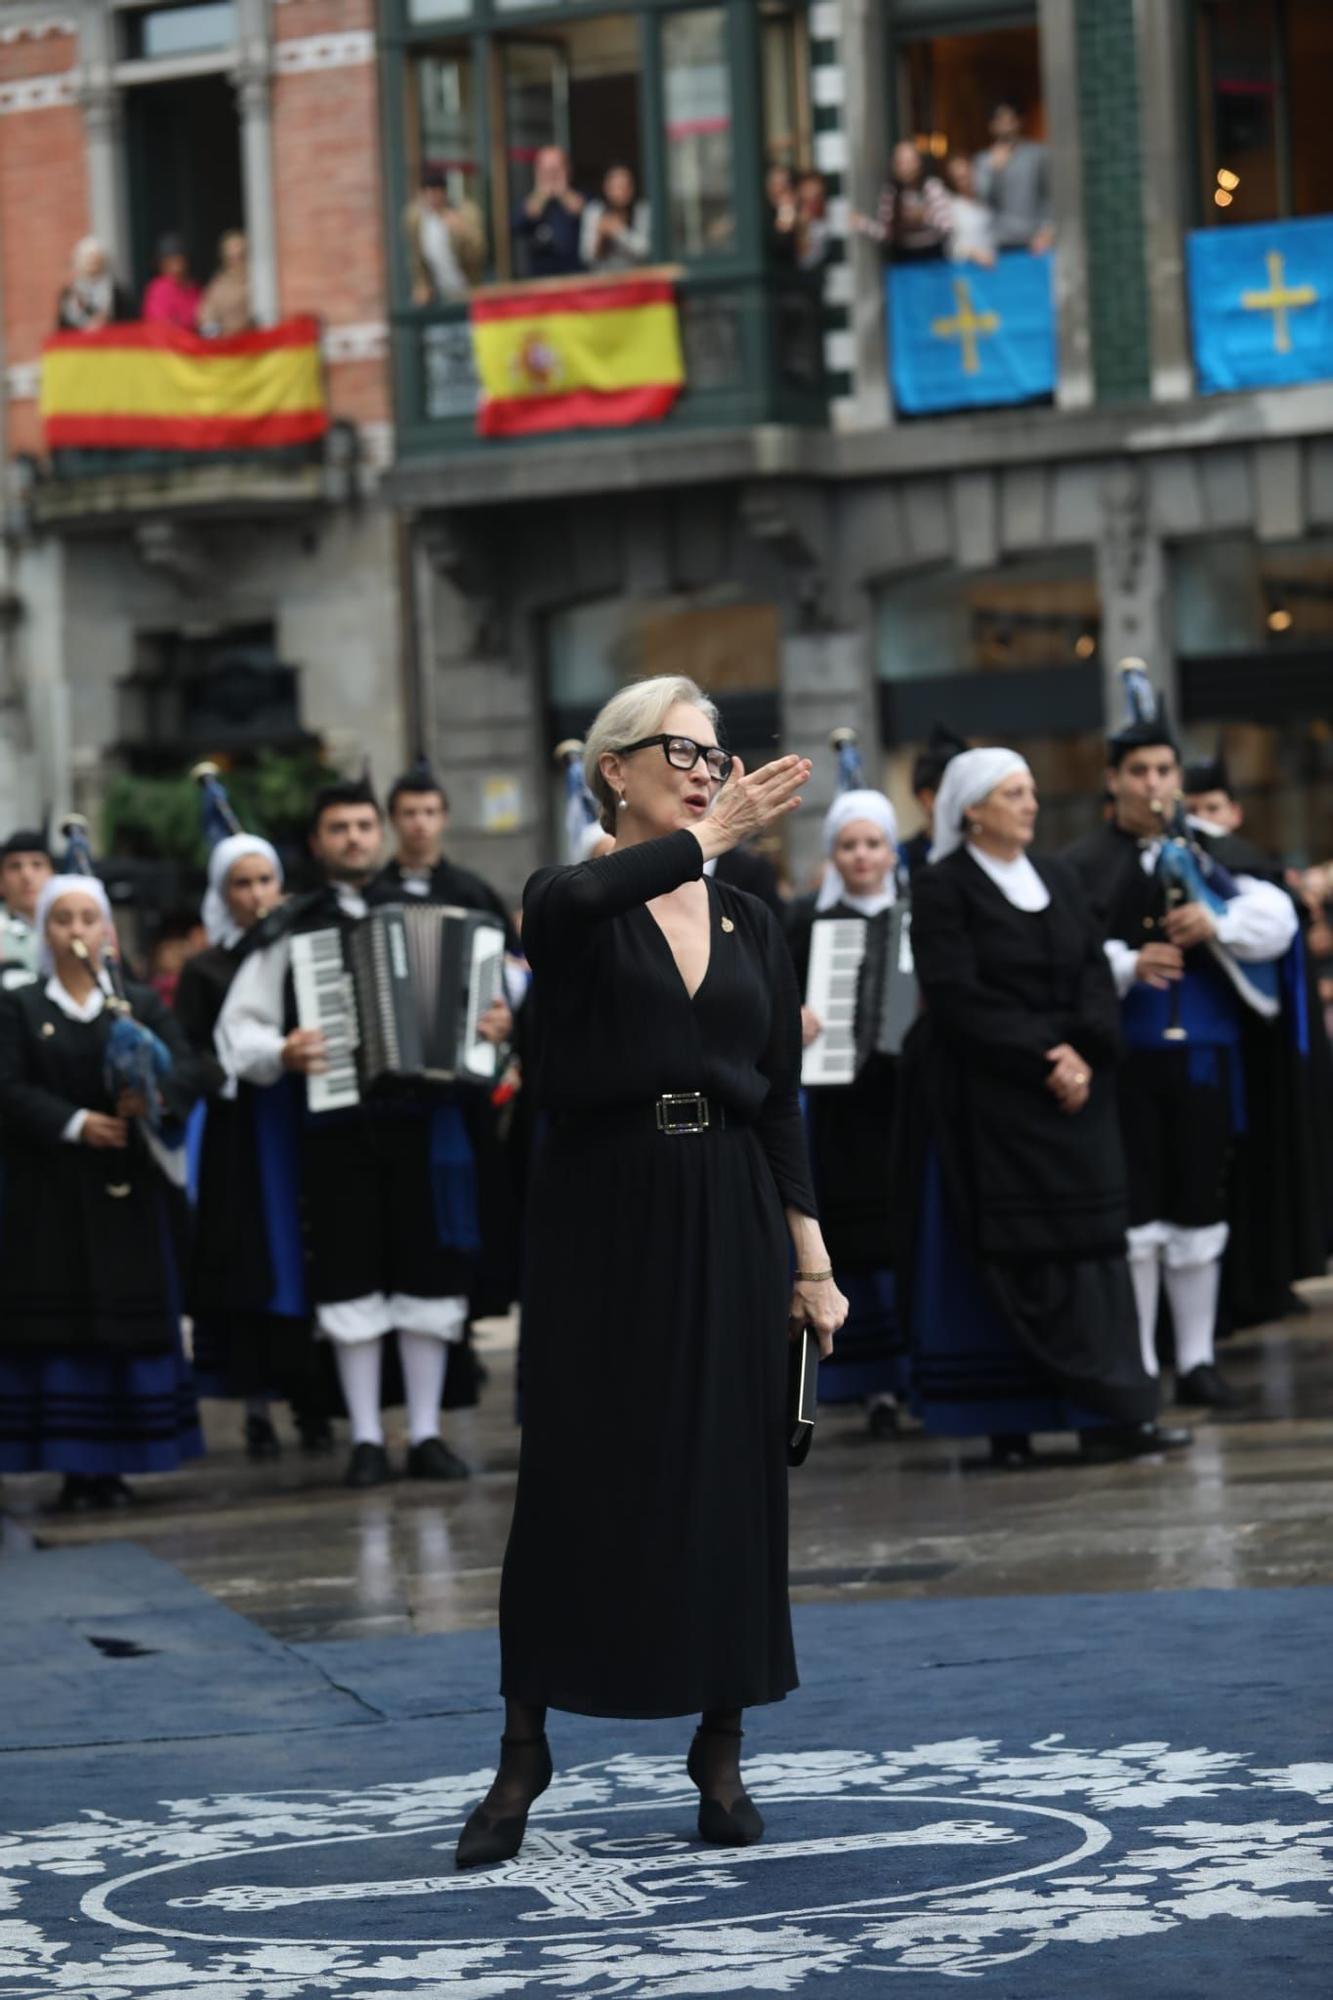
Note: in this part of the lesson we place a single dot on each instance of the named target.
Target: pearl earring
(623, 802)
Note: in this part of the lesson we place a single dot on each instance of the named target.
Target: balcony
(753, 355)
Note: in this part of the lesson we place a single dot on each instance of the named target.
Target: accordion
(398, 998)
(862, 985)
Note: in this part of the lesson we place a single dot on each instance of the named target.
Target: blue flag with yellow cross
(1261, 304)
(964, 337)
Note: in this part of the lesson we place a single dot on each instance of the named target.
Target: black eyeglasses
(683, 753)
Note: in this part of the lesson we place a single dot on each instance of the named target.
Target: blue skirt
(97, 1414)
(970, 1376)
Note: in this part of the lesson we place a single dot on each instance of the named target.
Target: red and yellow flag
(577, 354)
(150, 388)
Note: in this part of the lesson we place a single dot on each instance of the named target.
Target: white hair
(637, 711)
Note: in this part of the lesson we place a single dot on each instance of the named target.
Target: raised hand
(750, 802)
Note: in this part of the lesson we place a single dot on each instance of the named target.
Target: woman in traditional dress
(649, 1577)
(93, 1379)
(851, 1126)
(246, 1287)
(1011, 1176)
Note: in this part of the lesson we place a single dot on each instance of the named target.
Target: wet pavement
(909, 1517)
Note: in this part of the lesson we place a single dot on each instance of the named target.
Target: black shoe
(882, 1416)
(432, 1459)
(316, 1436)
(261, 1440)
(1114, 1443)
(1012, 1450)
(78, 1495)
(485, 1842)
(736, 1825)
(1206, 1388)
(368, 1466)
(111, 1492)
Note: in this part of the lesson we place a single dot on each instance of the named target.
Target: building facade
(159, 608)
(813, 553)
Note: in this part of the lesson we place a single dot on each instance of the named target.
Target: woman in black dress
(646, 1573)
(93, 1378)
(1012, 1177)
(851, 1125)
(246, 1284)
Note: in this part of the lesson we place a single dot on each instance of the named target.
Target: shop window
(697, 92)
(1024, 618)
(1265, 143)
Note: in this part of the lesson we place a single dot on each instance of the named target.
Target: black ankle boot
(485, 1841)
(734, 1825)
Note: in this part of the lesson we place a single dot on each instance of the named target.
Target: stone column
(103, 124)
(865, 119)
(1131, 578)
(253, 79)
(1162, 74)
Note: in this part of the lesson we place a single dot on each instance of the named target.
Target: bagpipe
(581, 808)
(136, 1059)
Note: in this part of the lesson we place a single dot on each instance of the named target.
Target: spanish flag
(577, 354)
(151, 388)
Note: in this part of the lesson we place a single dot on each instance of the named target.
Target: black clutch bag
(802, 1394)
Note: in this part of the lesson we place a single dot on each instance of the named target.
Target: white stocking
(359, 1373)
(1193, 1291)
(1145, 1269)
(424, 1360)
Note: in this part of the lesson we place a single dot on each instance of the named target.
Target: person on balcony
(225, 307)
(972, 236)
(615, 230)
(446, 242)
(812, 208)
(172, 297)
(92, 299)
(549, 223)
(914, 218)
(1013, 178)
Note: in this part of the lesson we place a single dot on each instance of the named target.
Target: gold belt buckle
(666, 1112)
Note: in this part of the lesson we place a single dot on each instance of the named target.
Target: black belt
(679, 1114)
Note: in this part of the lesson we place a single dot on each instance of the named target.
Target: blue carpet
(1059, 1798)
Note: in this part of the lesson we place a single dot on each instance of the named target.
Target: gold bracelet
(812, 1277)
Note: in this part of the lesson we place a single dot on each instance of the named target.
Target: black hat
(1147, 723)
(942, 746)
(1209, 774)
(170, 245)
(433, 177)
(26, 841)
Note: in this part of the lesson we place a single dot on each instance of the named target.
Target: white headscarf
(217, 919)
(849, 806)
(52, 891)
(968, 778)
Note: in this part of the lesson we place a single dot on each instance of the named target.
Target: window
(948, 86)
(1265, 143)
(697, 90)
(161, 33)
(1023, 617)
(446, 139)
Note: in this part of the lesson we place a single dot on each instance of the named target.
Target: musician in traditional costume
(388, 1183)
(1198, 969)
(246, 1286)
(93, 1378)
(646, 1573)
(25, 869)
(1011, 1188)
(851, 1118)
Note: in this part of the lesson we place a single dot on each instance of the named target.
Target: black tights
(714, 1764)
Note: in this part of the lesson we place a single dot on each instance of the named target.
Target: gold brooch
(727, 924)
(48, 1027)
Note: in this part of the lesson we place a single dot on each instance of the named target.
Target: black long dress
(998, 1185)
(246, 1284)
(93, 1379)
(646, 1572)
(851, 1148)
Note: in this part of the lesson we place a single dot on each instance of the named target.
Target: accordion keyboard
(837, 949)
(324, 1001)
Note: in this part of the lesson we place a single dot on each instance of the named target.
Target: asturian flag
(963, 337)
(577, 354)
(1261, 304)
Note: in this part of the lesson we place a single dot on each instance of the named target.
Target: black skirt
(646, 1573)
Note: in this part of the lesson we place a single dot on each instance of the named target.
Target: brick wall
(1113, 199)
(326, 167)
(43, 206)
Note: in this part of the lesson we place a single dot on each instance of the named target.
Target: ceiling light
(1280, 619)
(1085, 645)
(1222, 198)
(1226, 179)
